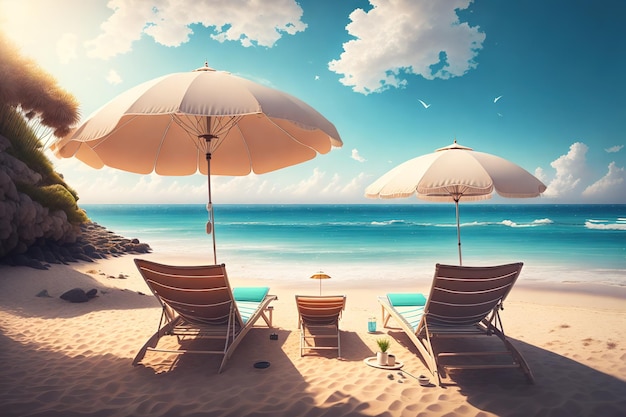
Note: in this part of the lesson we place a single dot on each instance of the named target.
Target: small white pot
(391, 360)
(382, 358)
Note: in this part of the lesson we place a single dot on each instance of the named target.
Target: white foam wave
(534, 223)
(510, 223)
(387, 222)
(453, 224)
(475, 224)
(605, 226)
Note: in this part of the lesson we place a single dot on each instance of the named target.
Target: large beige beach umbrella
(453, 173)
(203, 121)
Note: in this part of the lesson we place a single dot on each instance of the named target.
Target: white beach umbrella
(205, 121)
(453, 173)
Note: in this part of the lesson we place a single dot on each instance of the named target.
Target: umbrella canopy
(453, 173)
(204, 121)
(320, 276)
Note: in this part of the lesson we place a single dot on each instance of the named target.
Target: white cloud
(111, 186)
(113, 77)
(402, 37)
(355, 155)
(570, 172)
(572, 179)
(610, 188)
(66, 48)
(614, 149)
(124, 27)
(541, 175)
(356, 186)
(307, 185)
(168, 23)
(318, 187)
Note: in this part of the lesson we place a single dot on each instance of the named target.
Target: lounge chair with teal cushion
(197, 301)
(410, 306)
(463, 302)
(248, 300)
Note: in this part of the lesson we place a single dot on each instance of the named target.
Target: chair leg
(153, 341)
(302, 340)
(338, 343)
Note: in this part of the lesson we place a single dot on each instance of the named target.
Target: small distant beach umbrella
(205, 121)
(320, 276)
(453, 173)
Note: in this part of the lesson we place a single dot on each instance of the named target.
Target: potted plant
(381, 355)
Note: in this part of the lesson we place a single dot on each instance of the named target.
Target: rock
(35, 252)
(75, 295)
(84, 258)
(39, 265)
(43, 293)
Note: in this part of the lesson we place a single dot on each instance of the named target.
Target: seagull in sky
(424, 104)
(495, 100)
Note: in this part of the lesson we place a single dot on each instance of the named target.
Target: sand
(65, 359)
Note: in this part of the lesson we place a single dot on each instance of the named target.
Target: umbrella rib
(118, 127)
(289, 134)
(217, 126)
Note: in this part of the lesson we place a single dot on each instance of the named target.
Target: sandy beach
(65, 359)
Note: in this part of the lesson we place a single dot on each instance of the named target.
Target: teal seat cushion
(256, 294)
(406, 299)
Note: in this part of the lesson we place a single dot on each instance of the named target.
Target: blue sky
(557, 67)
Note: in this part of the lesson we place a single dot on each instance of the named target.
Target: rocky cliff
(34, 235)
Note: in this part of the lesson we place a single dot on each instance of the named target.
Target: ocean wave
(387, 222)
(534, 223)
(510, 223)
(589, 224)
(475, 224)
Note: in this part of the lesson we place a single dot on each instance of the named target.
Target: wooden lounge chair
(318, 320)
(198, 302)
(463, 302)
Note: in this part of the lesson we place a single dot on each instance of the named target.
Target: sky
(540, 83)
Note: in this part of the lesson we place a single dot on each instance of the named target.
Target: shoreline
(74, 359)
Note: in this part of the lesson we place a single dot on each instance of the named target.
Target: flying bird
(495, 100)
(424, 104)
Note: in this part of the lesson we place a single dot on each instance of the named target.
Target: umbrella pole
(211, 223)
(210, 205)
(458, 229)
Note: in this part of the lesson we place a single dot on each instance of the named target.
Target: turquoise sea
(555, 242)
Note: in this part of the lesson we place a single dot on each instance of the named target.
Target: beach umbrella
(205, 121)
(320, 276)
(453, 173)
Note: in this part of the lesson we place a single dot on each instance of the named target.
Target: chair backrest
(463, 295)
(200, 294)
(320, 309)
